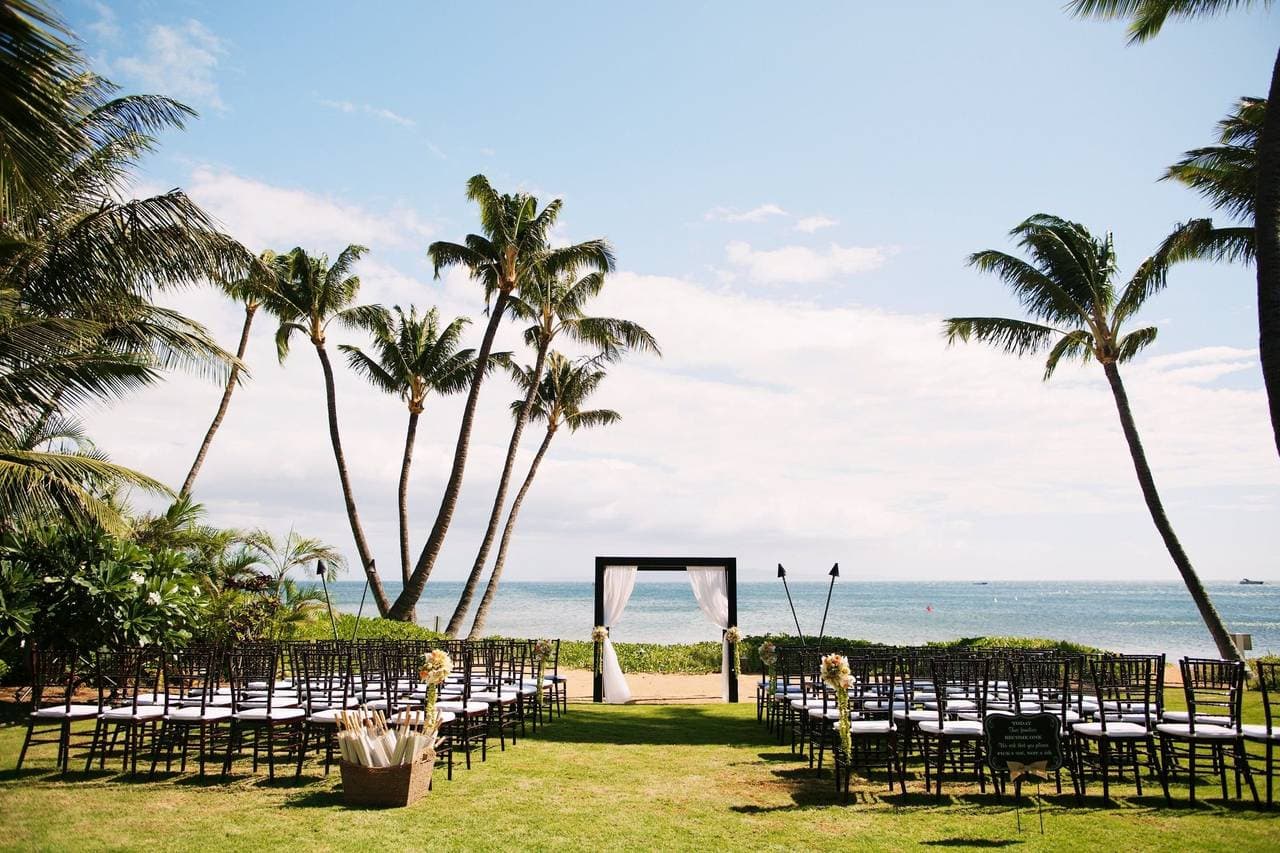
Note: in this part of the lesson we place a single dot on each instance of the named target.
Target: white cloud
(810, 224)
(755, 214)
(802, 264)
(369, 109)
(106, 26)
(179, 61)
(263, 216)
(771, 430)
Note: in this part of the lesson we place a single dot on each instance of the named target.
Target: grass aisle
(652, 777)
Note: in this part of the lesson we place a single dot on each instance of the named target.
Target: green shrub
(95, 590)
(371, 628)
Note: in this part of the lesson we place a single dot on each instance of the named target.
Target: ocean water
(1125, 617)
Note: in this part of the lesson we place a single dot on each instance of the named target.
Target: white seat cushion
(403, 716)
(277, 714)
(59, 712)
(867, 727)
(1203, 732)
(800, 704)
(1201, 719)
(916, 716)
(957, 728)
(1259, 732)
(830, 714)
(126, 712)
(192, 713)
(1118, 730)
(472, 707)
(505, 698)
(325, 717)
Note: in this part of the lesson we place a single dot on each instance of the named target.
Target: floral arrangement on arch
(769, 657)
(599, 634)
(733, 636)
(434, 670)
(836, 675)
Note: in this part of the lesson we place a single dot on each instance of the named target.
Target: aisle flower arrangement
(435, 668)
(836, 675)
(542, 649)
(769, 657)
(599, 634)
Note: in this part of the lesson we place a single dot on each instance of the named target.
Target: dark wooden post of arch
(666, 564)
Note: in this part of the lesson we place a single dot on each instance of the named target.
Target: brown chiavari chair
(1269, 732)
(258, 709)
(1214, 692)
(54, 678)
(960, 685)
(191, 705)
(1127, 717)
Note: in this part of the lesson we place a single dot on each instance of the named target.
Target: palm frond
(1134, 342)
(1016, 337)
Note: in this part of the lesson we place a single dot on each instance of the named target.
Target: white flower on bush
(138, 578)
(154, 598)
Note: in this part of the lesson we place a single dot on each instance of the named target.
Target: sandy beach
(656, 688)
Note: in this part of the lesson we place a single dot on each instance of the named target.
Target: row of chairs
(922, 702)
(279, 700)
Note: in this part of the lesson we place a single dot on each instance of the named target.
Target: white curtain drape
(618, 583)
(711, 589)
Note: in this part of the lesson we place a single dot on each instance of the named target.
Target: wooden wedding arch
(669, 564)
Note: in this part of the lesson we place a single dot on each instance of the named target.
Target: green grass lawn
(603, 777)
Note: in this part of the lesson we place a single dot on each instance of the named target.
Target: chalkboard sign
(1023, 744)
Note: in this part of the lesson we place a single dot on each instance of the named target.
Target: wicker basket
(387, 787)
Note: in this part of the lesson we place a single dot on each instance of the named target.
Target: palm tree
(281, 556)
(1147, 18)
(558, 403)
(413, 358)
(1226, 174)
(249, 292)
(1069, 286)
(554, 306)
(78, 269)
(308, 296)
(512, 251)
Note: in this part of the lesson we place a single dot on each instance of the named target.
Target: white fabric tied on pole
(711, 589)
(618, 583)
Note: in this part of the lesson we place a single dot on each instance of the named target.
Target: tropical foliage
(513, 252)
(1079, 311)
(558, 401)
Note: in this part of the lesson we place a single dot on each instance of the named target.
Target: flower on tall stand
(542, 649)
(836, 675)
(769, 657)
(733, 636)
(433, 670)
(599, 634)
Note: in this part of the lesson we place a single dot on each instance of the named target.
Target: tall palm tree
(1226, 174)
(1147, 18)
(1069, 286)
(559, 397)
(249, 292)
(554, 306)
(308, 296)
(513, 249)
(413, 358)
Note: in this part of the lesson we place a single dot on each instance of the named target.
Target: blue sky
(791, 192)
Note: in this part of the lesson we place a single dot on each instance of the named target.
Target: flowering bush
(93, 590)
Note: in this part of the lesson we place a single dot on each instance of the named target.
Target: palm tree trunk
(190, 482)
(1208, 612)
(403, 500)
(404, 604)
(499, 500)
(1267, 241)
(348, 497)
(482, 612)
